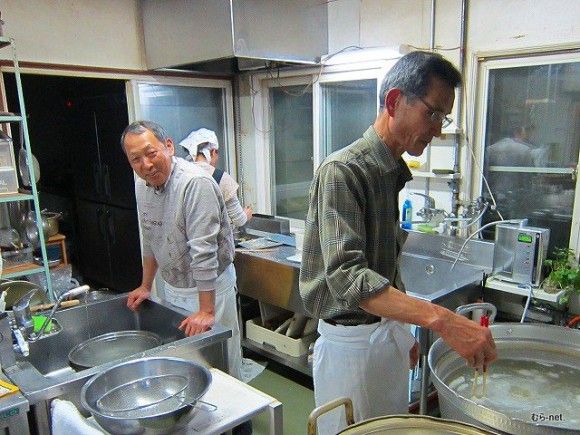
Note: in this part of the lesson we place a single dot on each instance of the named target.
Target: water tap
(68, 294)
(22, 313)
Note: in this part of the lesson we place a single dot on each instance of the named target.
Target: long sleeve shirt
(185, 227)
(352, 238)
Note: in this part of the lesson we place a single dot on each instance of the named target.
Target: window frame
(261, 84)
(484, 63)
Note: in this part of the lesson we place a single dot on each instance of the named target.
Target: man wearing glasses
(349, 276)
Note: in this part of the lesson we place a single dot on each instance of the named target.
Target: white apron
(368, 364)
(226, 312)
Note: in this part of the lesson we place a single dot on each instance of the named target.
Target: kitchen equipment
(31, 228)
(243, 35)
(97, 295)
(16, 289)
(546, 344)
(520, 252)
(48, 306)
(111, 346)
(392, 424)
(23, 166)
(50, 219)
(147, 395)
(9, 238)
(268, 224)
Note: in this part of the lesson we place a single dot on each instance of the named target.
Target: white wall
(492, 25)
(94, 33)
(108, 33)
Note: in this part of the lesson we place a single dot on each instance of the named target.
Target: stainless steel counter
(13, 409)
(269, 277)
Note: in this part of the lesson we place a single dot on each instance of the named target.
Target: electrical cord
(527, 306)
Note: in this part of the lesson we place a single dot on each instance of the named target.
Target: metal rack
(27, 268)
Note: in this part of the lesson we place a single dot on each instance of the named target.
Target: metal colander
(150, 395)
(166, 391)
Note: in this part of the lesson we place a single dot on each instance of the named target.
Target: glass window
(181, 109)
(291, 135)
(348, 108)
(531, 143)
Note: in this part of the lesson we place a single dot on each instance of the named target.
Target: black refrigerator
(107, 228)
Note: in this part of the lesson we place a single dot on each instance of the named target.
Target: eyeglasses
(436, 116)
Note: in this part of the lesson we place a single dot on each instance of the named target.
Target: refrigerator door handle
(107, 181)
(111, 226)
(101, 223)
(97, 177)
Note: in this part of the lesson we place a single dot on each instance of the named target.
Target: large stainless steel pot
(532, 342)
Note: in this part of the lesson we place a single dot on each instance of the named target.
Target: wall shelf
(422, 174)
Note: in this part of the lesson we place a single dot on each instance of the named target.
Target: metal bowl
(110, 347)
(136, 375)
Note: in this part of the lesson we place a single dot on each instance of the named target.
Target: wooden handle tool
(64, 304)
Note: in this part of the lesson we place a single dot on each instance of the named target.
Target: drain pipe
(460, 94)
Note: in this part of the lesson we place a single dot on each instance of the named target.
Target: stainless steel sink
(427, 259)
(45, 374)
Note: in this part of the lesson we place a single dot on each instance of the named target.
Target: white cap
(197, 137)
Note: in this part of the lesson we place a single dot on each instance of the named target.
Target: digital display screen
(525, 238)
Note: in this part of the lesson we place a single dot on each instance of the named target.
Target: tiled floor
(291, 388)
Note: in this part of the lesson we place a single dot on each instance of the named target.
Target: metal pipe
(460, 93)
(432, 39)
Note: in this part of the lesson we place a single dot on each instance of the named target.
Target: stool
(59, 239)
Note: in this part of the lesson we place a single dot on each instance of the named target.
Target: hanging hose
(527, 306)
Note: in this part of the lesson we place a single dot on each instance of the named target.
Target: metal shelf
(9, 197)
(297, 363)
(21, 270)
(420, 174)
(8, 117)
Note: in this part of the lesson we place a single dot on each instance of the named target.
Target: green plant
(564, 273)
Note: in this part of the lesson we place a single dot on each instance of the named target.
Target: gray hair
(413, 73)
(139, 127)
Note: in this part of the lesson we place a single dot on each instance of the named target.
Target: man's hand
(137, 296)
(197, 323)
(414, 356)
(470, 340)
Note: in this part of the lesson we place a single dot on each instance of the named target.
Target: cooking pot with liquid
(545, 345)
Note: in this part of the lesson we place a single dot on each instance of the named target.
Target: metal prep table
(13, 409)
(268, 276)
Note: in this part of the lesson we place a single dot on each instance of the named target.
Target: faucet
(22, 314)
(429, 212)
(70, 293)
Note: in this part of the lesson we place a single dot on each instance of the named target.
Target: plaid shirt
(352, 237)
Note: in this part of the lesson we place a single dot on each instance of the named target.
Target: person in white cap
(202, 146)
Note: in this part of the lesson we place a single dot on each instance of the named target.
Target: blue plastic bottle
(407, 215)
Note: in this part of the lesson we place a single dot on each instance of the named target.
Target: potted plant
(564, 275)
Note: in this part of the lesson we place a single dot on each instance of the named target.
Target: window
(309, 115)
(531, 139)
(183, 108)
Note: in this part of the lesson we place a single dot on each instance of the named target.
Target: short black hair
(413, 73)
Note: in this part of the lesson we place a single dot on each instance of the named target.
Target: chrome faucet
(22, 314)
(70, 293)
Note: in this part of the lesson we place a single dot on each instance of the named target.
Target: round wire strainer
(166, 391)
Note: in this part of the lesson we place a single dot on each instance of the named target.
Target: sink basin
(45, 374)
(427, 259)
(50, 355)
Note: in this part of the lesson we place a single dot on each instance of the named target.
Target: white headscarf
(197, 137)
